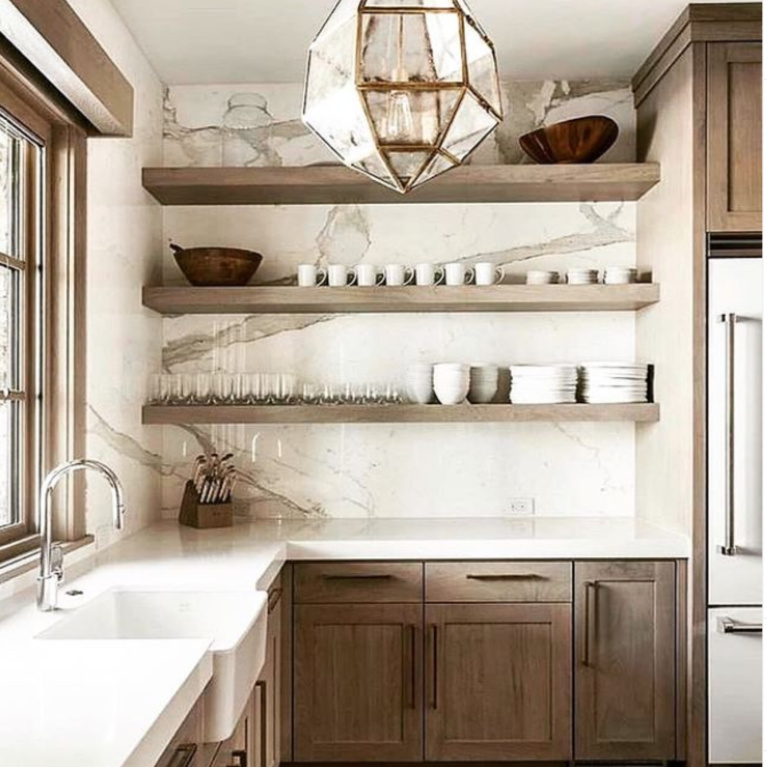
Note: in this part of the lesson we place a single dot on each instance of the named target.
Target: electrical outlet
(522, 507)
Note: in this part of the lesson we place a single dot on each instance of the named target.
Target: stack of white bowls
(580, 276)
(613, 382)
(539, 277)
(419, 383)
(451, 382)
(543, 384)
(620, 275)
(483, 384)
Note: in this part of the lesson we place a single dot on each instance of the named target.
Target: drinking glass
(310, 394)
(222, 388)
(203, 388)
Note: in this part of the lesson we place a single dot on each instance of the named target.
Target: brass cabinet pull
(506, 577)
(434, 640)
(587, 621)
(274, 599)
(183, 756)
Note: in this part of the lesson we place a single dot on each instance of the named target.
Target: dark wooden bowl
(582, 140)
(217, 267)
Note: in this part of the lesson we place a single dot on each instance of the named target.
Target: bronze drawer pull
(273, 600)
(361, 577)
(183, 756)
(506, 577)
(587, 621)
(241, 757)
(409, 665)
(434, 637)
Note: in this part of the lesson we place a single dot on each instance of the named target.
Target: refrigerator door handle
(729, 626)
(729, 549)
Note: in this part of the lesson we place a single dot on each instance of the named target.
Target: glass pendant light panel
(444, 34)
(411, 118)
(408, 4)
(438, 165)
(481, 63)
(470, 127)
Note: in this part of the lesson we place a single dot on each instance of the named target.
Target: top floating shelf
(336, 185)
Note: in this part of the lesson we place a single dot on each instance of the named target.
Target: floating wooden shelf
(336, 185)
(293, 414)
(323, 300)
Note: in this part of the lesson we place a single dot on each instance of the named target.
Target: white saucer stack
(543, 384)
(582, 276)
(613, 382)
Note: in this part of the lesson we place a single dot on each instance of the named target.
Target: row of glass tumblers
(263, 389)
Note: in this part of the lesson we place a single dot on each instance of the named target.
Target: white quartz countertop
(118, 703)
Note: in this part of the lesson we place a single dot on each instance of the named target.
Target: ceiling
(255, 41)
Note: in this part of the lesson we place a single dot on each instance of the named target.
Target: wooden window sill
(30, 558)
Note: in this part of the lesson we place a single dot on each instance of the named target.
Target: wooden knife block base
(203, 516)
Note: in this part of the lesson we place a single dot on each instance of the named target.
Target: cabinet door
(358, 683)
(734, 119)
(625, 650)
(499, 682)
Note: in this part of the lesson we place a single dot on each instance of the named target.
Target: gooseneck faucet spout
(51, 560)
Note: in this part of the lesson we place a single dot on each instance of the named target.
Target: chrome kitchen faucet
(51, 557)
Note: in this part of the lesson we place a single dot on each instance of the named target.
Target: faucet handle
(57, 562)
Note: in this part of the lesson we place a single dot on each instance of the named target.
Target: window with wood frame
(22, 322)
(42, 304)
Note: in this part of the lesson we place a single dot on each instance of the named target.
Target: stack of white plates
(419, 383)
(543, 384)
(483, 384)
(613, 382)
(582, 276)
(451, 382)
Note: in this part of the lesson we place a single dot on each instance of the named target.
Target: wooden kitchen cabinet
(499, 682)
(625, 660)
(734, 126)
(358, 690)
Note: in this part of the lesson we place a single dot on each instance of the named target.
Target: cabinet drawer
(349, 582)
(498, 582)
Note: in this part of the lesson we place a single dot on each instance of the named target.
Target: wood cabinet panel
(358, 582)
(499, 582)
(734, 125)
(625, 650)
(358, 689)
(499, 682)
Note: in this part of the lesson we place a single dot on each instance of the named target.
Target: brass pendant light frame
(431, 150)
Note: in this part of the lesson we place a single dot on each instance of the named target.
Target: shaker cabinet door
(734, 120)
(498, 682)
(358, 687)
(625, 660)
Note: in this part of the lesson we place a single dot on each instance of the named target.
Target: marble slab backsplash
(379, 470)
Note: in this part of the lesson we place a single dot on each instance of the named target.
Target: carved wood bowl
(217, 267)
(582, 140)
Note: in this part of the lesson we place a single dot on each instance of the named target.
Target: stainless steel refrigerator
(735, 504)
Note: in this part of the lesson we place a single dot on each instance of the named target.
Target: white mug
(368, 276)
(339, 276)
(458, 274)
(486, 273)
(397, 274)
(309, 276)
(429, 274)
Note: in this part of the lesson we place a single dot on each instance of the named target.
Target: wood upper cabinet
(358, 691)
(734, 125)
(625, 660)
(498, 682)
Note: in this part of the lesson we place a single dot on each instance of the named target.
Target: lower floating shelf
(292, 414)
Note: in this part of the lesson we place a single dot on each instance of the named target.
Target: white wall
(124, 239)
(384, 470)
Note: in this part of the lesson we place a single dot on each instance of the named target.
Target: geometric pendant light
(402, 90)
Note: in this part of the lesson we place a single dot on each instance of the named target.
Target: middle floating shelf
(354, 414)
(356, 300)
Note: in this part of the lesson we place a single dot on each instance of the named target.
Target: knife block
(203, 516)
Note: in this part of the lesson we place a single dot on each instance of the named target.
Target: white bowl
(450, 394)
(535, 277)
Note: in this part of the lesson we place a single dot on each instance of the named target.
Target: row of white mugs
(398, 275)
(453, 274)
